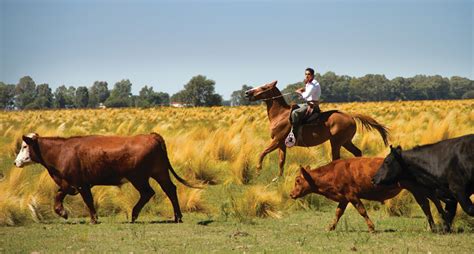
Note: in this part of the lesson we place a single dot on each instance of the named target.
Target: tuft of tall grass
(257, 201)
(243, 167)
(401, 206)
(190, 200)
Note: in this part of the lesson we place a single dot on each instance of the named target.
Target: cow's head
(303, 184)
(391, 169)
(27, 155)
(261, 92)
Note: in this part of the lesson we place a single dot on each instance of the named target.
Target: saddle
(311, 116)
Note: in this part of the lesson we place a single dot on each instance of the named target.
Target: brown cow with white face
(76, 164)
(349, 181)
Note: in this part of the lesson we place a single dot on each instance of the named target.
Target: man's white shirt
(312, 91)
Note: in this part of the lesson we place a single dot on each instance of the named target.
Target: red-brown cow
(76, 164)
(349, 180)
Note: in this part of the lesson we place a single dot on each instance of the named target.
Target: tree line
(200, 91)
(374, 87)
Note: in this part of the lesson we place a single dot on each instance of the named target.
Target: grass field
(238, 211)
(300, 232)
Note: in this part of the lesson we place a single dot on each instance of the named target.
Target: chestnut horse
(336, 126)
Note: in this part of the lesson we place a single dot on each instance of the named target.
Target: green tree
(7, 93)
(43, 99)
(25, 92)
(164, 98)
(120, 96)
(64, 97)
(238, 98)
(199, 91)
(98, 93)
(459, 86)
(400, 89)
(148, 98)
(179, 97)
(82, 97)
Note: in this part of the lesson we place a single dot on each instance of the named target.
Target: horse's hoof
(275, 179)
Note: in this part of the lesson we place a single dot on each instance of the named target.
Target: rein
(281, 95)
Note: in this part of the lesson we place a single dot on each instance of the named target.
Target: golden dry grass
(213, 145)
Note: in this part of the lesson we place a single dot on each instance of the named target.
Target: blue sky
(165, 43)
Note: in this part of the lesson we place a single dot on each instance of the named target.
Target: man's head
(308, 75)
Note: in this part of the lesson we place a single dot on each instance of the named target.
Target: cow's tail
(369, 123)
(160, 139)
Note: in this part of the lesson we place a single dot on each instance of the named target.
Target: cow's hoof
(94, 222)
(63, 214)
(179, 220)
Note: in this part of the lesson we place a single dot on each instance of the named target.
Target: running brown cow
(76, 164)
(349, 181)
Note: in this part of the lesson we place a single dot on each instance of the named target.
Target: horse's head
(262, 92)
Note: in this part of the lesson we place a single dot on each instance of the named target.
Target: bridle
(274, 97)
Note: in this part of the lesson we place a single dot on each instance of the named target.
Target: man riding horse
(310, 93)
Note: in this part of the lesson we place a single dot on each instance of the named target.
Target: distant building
(180, 105)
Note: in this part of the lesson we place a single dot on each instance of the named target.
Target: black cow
(444, 169)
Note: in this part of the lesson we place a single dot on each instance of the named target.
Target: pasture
(239, 210)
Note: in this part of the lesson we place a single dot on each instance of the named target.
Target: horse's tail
(369, 123)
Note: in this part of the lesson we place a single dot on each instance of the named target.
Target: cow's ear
(301, 170)
(28, 140)
(305, 174)
(399, 149)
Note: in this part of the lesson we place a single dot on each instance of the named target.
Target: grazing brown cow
(76, 164)
(349, 180)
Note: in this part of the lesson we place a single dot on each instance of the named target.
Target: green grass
(296, 232)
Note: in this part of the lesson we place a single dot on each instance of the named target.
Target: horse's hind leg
(335, 149)
(352, 148)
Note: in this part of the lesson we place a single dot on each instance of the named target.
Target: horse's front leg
(282, 157)
(270, 148)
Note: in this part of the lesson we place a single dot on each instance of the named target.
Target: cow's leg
(361, 209)
(335, 149)
(282, 157)
(146, 192)
(352, 148)
(170, 189)
(87, 197)
(450, 213)
(339, 212)
(465, 203)
(425, 206)
(270, 148)
(58, 204)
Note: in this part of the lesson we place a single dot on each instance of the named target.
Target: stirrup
(290, 140)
